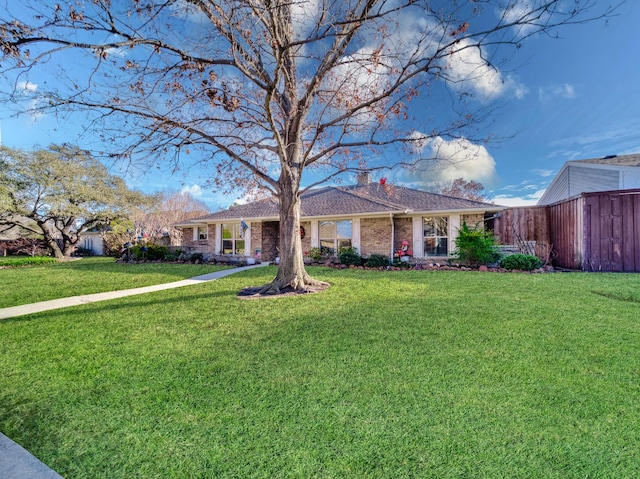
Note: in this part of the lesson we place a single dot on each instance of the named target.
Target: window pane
(327, 246)
(227, 247)
(345, 229)
(430, 246)
(344, 243)
(239, 247)
(442, 247)
(327, 230)
(441, 226)
(226, 232)
(429, 227)
(436, 236)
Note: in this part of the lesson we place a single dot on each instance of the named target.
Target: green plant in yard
(321, 253)
(150, 251)
(349, 256)
(377, 260)
(522, 262)
(315, 254)
(15, 261)
(476, 246)
(196, 257)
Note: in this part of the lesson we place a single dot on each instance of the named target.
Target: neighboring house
(372, 217)
(92, 241)
(598, 174)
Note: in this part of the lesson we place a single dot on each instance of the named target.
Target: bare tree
(460, 188)
(266, 91)
(170, 209)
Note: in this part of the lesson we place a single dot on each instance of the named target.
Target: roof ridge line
(352, 191)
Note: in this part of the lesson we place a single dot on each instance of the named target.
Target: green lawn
(418, 374)
(31, 284)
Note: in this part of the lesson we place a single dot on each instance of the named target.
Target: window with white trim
(335, 234)
(202, 233)
(232, 239)
(436, 235)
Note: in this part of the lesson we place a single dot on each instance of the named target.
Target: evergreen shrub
(523, 262)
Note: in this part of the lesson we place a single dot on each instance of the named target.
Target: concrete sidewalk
(15, 461)
(92, 298)
(18, 463)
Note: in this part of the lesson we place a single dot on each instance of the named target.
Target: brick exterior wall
(256, 239)
(200, 246)
(269, 241)
(375, 236)
(404, 231)
(472, 220)
(306, 241)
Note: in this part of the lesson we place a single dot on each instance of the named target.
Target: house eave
(374, 214)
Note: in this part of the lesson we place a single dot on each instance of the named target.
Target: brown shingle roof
(357, 199)
(614, 160)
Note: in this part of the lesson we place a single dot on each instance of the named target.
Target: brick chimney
(363, 178)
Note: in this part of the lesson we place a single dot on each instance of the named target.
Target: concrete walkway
(15, 461)
(92, 298)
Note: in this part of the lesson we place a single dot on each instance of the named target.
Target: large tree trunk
(51, 241)
(292, 274)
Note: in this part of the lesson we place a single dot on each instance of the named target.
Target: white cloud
(193, 190)
(522, 200)
(566, 91)
(523, 11)
(468, 68)
(453, 159)
(543, 173)
(305, 15)
(27, 86)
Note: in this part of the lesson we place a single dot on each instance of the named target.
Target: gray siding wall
(586, 180)
(558, 190)
(575, 180)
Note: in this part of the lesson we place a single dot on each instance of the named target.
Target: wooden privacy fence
(527, 228)
(594, 231)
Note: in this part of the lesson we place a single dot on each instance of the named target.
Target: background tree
(61, 193)
(170, 208)
(264, 91)
(460, 188)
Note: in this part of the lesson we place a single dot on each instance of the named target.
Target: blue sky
(575, 97)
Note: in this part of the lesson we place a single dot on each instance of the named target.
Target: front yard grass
(88, 275)
(385, 375)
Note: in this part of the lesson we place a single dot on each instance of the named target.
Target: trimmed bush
(196, 257)
(523, 262)
(350, 256)
(150, 252)
(377, 260)
(476, 246)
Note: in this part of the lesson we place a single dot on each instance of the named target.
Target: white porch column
(356, 241)
(218, 239)
(454, 227)
(418, 237)
(315, 234)
(247, 241)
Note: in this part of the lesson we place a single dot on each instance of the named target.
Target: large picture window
(436, 236)
(335, 234)
(232, 239)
